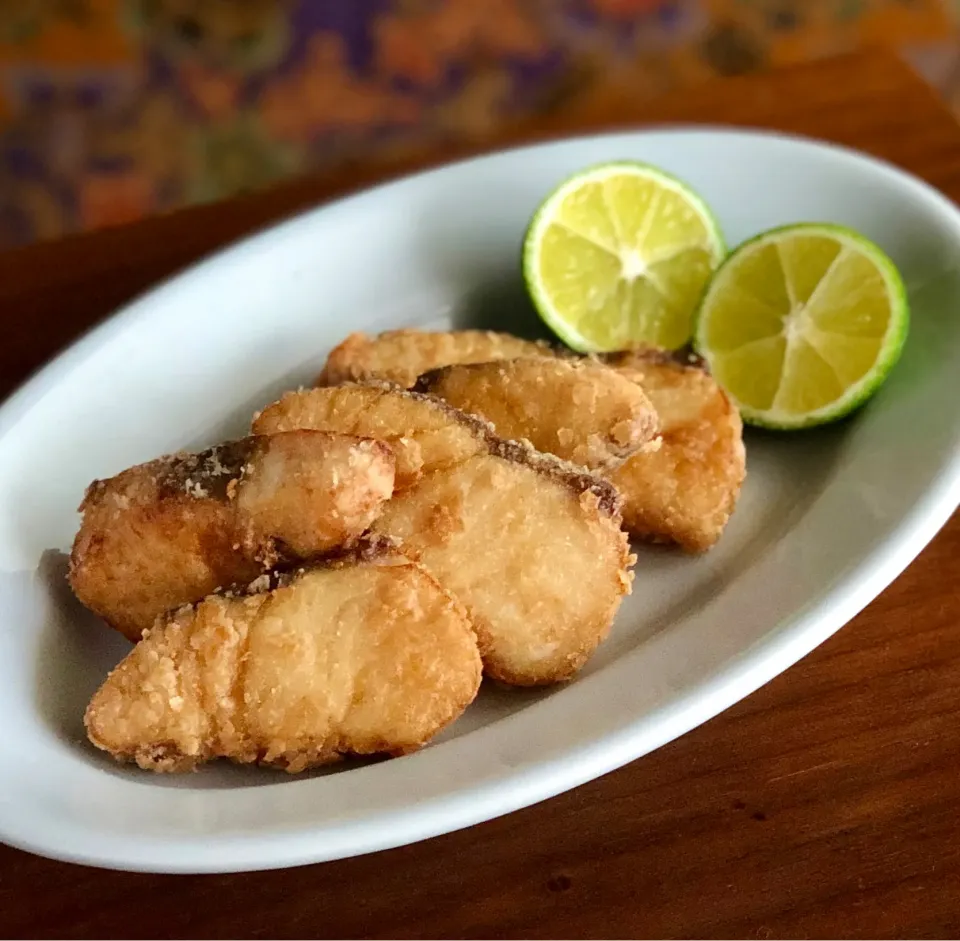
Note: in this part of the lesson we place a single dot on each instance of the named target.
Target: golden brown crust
(531, 545)
(532, 551)
(304, 493)
(571, 477)
(364, 655)
(140, 550)
(441, 436)
(491, 516)
(579, 410)
(173, 530)
(424, 432)
(686, 492)
(400, 356)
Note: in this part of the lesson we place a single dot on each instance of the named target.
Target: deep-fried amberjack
(684, 492)
(533, 548)
(400, 356)
(579, 410)
(530, 544)
(359, 656)
(419, 428)
(169, 532)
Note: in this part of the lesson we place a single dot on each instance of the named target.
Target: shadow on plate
(500, 304)
(786, 474)
(75, 652)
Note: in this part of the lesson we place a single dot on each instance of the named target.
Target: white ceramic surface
(826, 520)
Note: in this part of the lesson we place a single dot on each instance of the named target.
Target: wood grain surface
(825, 805)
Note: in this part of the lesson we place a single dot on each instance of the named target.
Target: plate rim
(741, 676)
(11, 407)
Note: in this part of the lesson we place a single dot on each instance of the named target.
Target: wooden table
(827, 804)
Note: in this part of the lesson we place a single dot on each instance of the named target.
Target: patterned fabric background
(114, 109)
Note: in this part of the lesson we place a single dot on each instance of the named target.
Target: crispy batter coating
(424, 432)
(401, 356)
(686, 491)
(169, 532)
(579, 410)
(361, 656)
(533, 548)
(530, 544)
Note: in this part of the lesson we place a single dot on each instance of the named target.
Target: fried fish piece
(685, 492)
(531, 545)
(171, 531)
(401, 356)
(423, 432)
(363, 655)
(579, 410)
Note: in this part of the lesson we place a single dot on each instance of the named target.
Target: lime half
(618, 255)
(802, 324)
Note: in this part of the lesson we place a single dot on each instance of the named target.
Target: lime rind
(891, 345)
(545, 213)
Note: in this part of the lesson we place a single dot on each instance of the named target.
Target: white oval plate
(826, 519)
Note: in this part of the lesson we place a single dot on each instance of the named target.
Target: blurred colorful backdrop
(115, 109)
